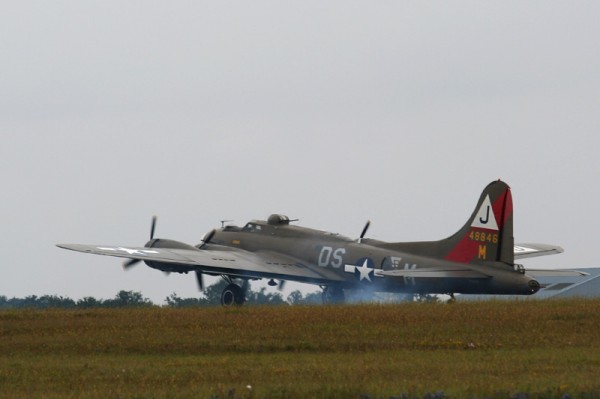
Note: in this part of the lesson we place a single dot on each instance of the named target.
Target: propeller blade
(130, 263)
(206, 239)
(200, 280)
(362, 235)
(281, 285)
(210, 236)
(152, 227)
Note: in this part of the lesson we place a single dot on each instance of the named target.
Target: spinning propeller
(132, 262)
(128, 264)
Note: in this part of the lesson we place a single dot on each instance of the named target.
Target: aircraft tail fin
(486, 237)
(488, 234)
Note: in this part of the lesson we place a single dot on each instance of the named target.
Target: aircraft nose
(534, 286)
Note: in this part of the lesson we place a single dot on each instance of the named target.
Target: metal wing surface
(231, 261)
(532, 250)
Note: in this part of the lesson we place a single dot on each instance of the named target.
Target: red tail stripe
(504, 201)
(467, 249)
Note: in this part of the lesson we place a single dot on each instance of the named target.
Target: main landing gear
(234, 294)
(332, 295)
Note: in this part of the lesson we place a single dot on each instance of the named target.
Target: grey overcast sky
(331, 112)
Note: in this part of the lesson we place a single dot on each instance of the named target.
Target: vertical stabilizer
(488, 234)
(486, 237)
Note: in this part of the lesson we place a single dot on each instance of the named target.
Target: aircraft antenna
(152, 227)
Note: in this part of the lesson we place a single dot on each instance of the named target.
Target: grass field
(460, 350)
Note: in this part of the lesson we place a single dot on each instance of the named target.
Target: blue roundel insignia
(361, 261)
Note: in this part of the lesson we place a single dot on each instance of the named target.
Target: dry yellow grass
(487, 349)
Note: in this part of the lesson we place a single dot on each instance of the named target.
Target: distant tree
(54, 301)
(174, 301)
(262, 297)
(128, 299)
(297, 298)
(30, 301)
(313, 298)
(89, 302)
(12, 303)
(210, 297)
(35, 302)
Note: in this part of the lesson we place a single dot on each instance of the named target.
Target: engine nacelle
(163, 243)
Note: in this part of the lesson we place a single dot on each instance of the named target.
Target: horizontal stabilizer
(555, 272)
(532, 250)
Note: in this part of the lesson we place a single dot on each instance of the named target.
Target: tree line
(210, 297)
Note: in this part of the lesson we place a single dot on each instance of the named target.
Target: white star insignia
(130, 251)
(364, 271)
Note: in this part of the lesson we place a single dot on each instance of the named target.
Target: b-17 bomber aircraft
(478, 259)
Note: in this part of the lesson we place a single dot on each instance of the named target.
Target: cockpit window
(251, 227)
(248, 227)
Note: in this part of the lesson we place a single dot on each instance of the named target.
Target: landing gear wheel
(232, 295)
(332, 295)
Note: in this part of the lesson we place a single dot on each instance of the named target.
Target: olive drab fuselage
(358, 263)
(477, 259)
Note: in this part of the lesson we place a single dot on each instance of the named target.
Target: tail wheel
(232, 295)
(333, 295)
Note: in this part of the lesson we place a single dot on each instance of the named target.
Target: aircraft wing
(434, 272)
(554, 273)
(531, 250)
(231, 261)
